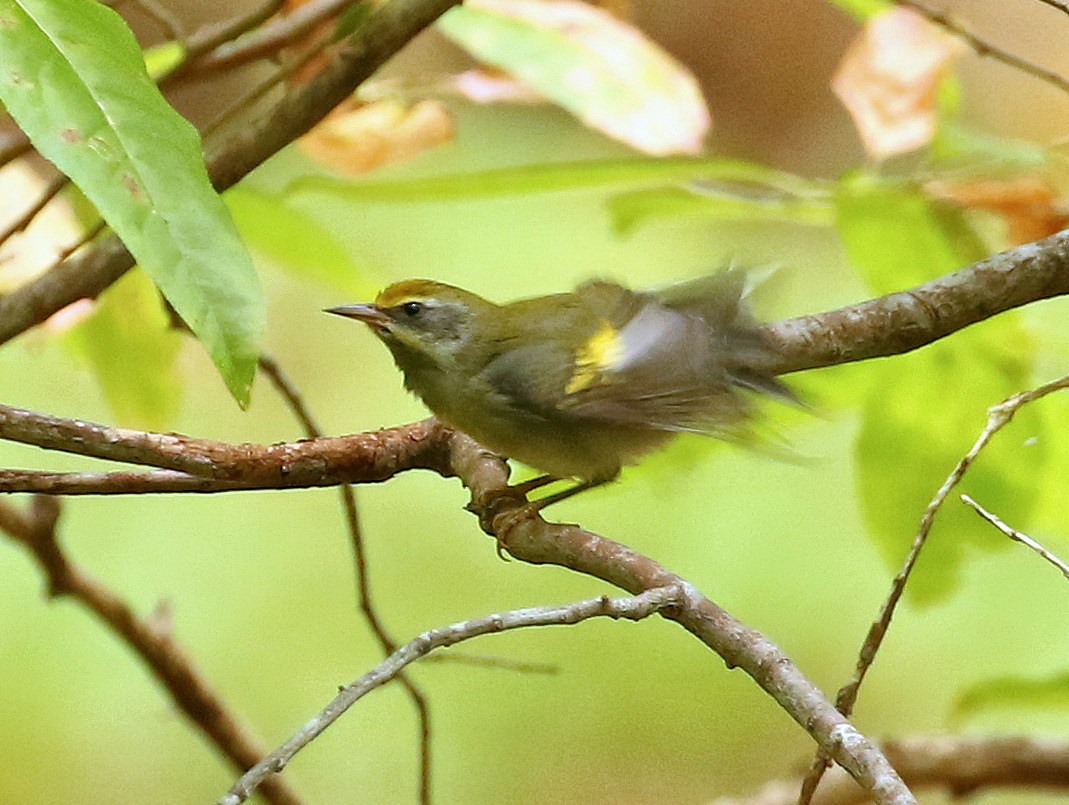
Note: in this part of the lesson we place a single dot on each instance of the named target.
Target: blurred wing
(658, 371)
(674, 360)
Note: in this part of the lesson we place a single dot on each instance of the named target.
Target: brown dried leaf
(356, 137)
(889, 80)
(1029, 205)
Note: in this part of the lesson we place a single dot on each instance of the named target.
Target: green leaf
(558, 177)
(130, 346)
(72, 76)
(352, 20)
(163, 58)
(897, 237)
(1014, 693)
(598, 67)
(294, 240)
(923, 414)
(862, 9)
(925, 410)
(629, 210)
(982, 154)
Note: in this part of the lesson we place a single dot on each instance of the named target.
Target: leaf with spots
(73, 77)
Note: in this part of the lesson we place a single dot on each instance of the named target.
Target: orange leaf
(1027, 204)
(355, 137)
(889, 80)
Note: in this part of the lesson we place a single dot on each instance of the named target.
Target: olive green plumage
(578, 384)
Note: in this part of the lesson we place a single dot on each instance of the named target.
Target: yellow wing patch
(600, 353)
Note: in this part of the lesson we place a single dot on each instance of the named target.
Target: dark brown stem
(165, 658)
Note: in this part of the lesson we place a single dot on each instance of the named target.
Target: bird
(578, 385)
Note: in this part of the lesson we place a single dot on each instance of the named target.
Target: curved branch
(904, 321)
(526, 536)
(637, 608)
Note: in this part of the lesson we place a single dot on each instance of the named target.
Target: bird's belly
(587, 450)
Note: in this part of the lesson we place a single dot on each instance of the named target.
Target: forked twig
(998, 416)
(635, 608)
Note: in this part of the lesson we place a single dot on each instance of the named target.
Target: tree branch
(157, 648)
(903, 321)
(960, 765)
(526, 536)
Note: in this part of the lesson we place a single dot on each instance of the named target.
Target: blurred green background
(259, 586)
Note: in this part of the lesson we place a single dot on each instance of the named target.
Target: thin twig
(1016, 535)
(998, 416)
(985, 48)
(48, 192)
(362, 577)
(168, 21)
(269, 38)
(156, 646)
(635, 608)
(205, 40)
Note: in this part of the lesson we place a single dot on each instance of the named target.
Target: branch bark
(903, 321)
(959, 765)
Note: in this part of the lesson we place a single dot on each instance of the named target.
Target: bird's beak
(371, 315)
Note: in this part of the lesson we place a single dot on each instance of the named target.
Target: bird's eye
(412, 309)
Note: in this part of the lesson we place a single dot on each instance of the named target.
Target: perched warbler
(578, 384)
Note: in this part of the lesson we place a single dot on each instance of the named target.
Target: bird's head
(423, 321)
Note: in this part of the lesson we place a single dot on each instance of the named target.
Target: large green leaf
(924, 411)
(897, 237)
(72, 76)
(1014, 694)
(130, 346)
